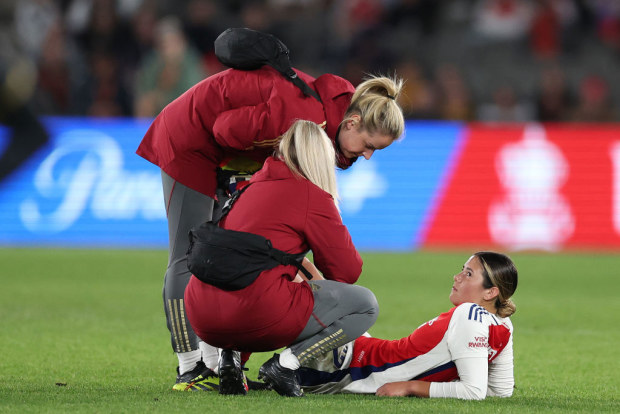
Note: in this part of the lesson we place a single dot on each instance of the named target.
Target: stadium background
(511, 142)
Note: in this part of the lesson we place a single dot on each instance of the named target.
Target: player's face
(355, 141)
(467, 285)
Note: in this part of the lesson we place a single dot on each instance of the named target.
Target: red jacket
(295, 215)
(238, 114)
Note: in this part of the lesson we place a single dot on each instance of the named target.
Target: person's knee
(368, 302)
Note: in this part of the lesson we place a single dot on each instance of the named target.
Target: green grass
(84, 331)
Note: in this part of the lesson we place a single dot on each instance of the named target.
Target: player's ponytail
(375, 101)
(307, 151)
(500, 271)
(505, 308)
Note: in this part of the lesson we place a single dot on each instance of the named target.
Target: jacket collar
(336, 94)
(273, 169)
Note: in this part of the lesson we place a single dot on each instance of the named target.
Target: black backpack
(247, 49)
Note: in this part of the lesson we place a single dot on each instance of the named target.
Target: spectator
(33, 20)
(419, 15)
(553, 102)
(502, 20)
(567, 12)
(545, 33)
(594, 102)
(202, 28)
(172, 69)
(337, 37)
(103, 29)
(419, 97)
(139, 43)
(109, 97)
(506, 107)
(454, 98)
(62, 86)
(348, 22)
(606, 14)
(303, 27)
(23, 133)
(256, 15)
(354, 71)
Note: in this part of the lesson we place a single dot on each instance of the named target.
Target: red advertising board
(531, 187)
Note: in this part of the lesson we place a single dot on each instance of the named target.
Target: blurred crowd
(484, 60)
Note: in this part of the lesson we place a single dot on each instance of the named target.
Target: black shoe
(283, 380)
(200, 378)
(232, 378)
(258, 385)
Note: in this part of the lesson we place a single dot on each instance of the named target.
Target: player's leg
(185, 208)
(341, 313)
(328, 373)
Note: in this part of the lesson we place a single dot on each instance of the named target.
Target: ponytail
(505, 308)
(500, 271)
(375, 101)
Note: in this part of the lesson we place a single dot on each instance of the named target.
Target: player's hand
(316, 274)
(393, 389)
(404, 389)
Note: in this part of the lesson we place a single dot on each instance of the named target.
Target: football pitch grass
(84, 331)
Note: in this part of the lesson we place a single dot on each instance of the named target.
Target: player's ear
(354, 121)
(491, 293)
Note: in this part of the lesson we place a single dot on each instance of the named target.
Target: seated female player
(464, 353)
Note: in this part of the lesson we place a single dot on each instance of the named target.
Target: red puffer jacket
(295, 215)
(238, 114)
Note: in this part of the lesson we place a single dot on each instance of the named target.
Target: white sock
(210, 355)
(188, 360)
(288, 360)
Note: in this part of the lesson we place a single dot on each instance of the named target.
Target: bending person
(292, 201)
(233, 120)
(464, 353)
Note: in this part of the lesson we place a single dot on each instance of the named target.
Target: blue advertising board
(88, 188)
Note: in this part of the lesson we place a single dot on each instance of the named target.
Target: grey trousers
(341, 314)
(185, 208)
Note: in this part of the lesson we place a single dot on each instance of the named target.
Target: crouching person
(243, 297)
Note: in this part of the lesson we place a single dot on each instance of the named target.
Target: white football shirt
(466, 342)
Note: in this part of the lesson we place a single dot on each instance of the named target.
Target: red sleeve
(499, 335)
(332, 248)
(251, 126)
(262, 106)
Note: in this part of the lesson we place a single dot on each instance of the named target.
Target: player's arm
(472, 383)
(334, 253)
(471, 386)
(467, 344)
(467, 340)
(405, 389)
(501, 374)
(248, 127)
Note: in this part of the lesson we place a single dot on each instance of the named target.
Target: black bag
(232, 260)
(247, 49)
